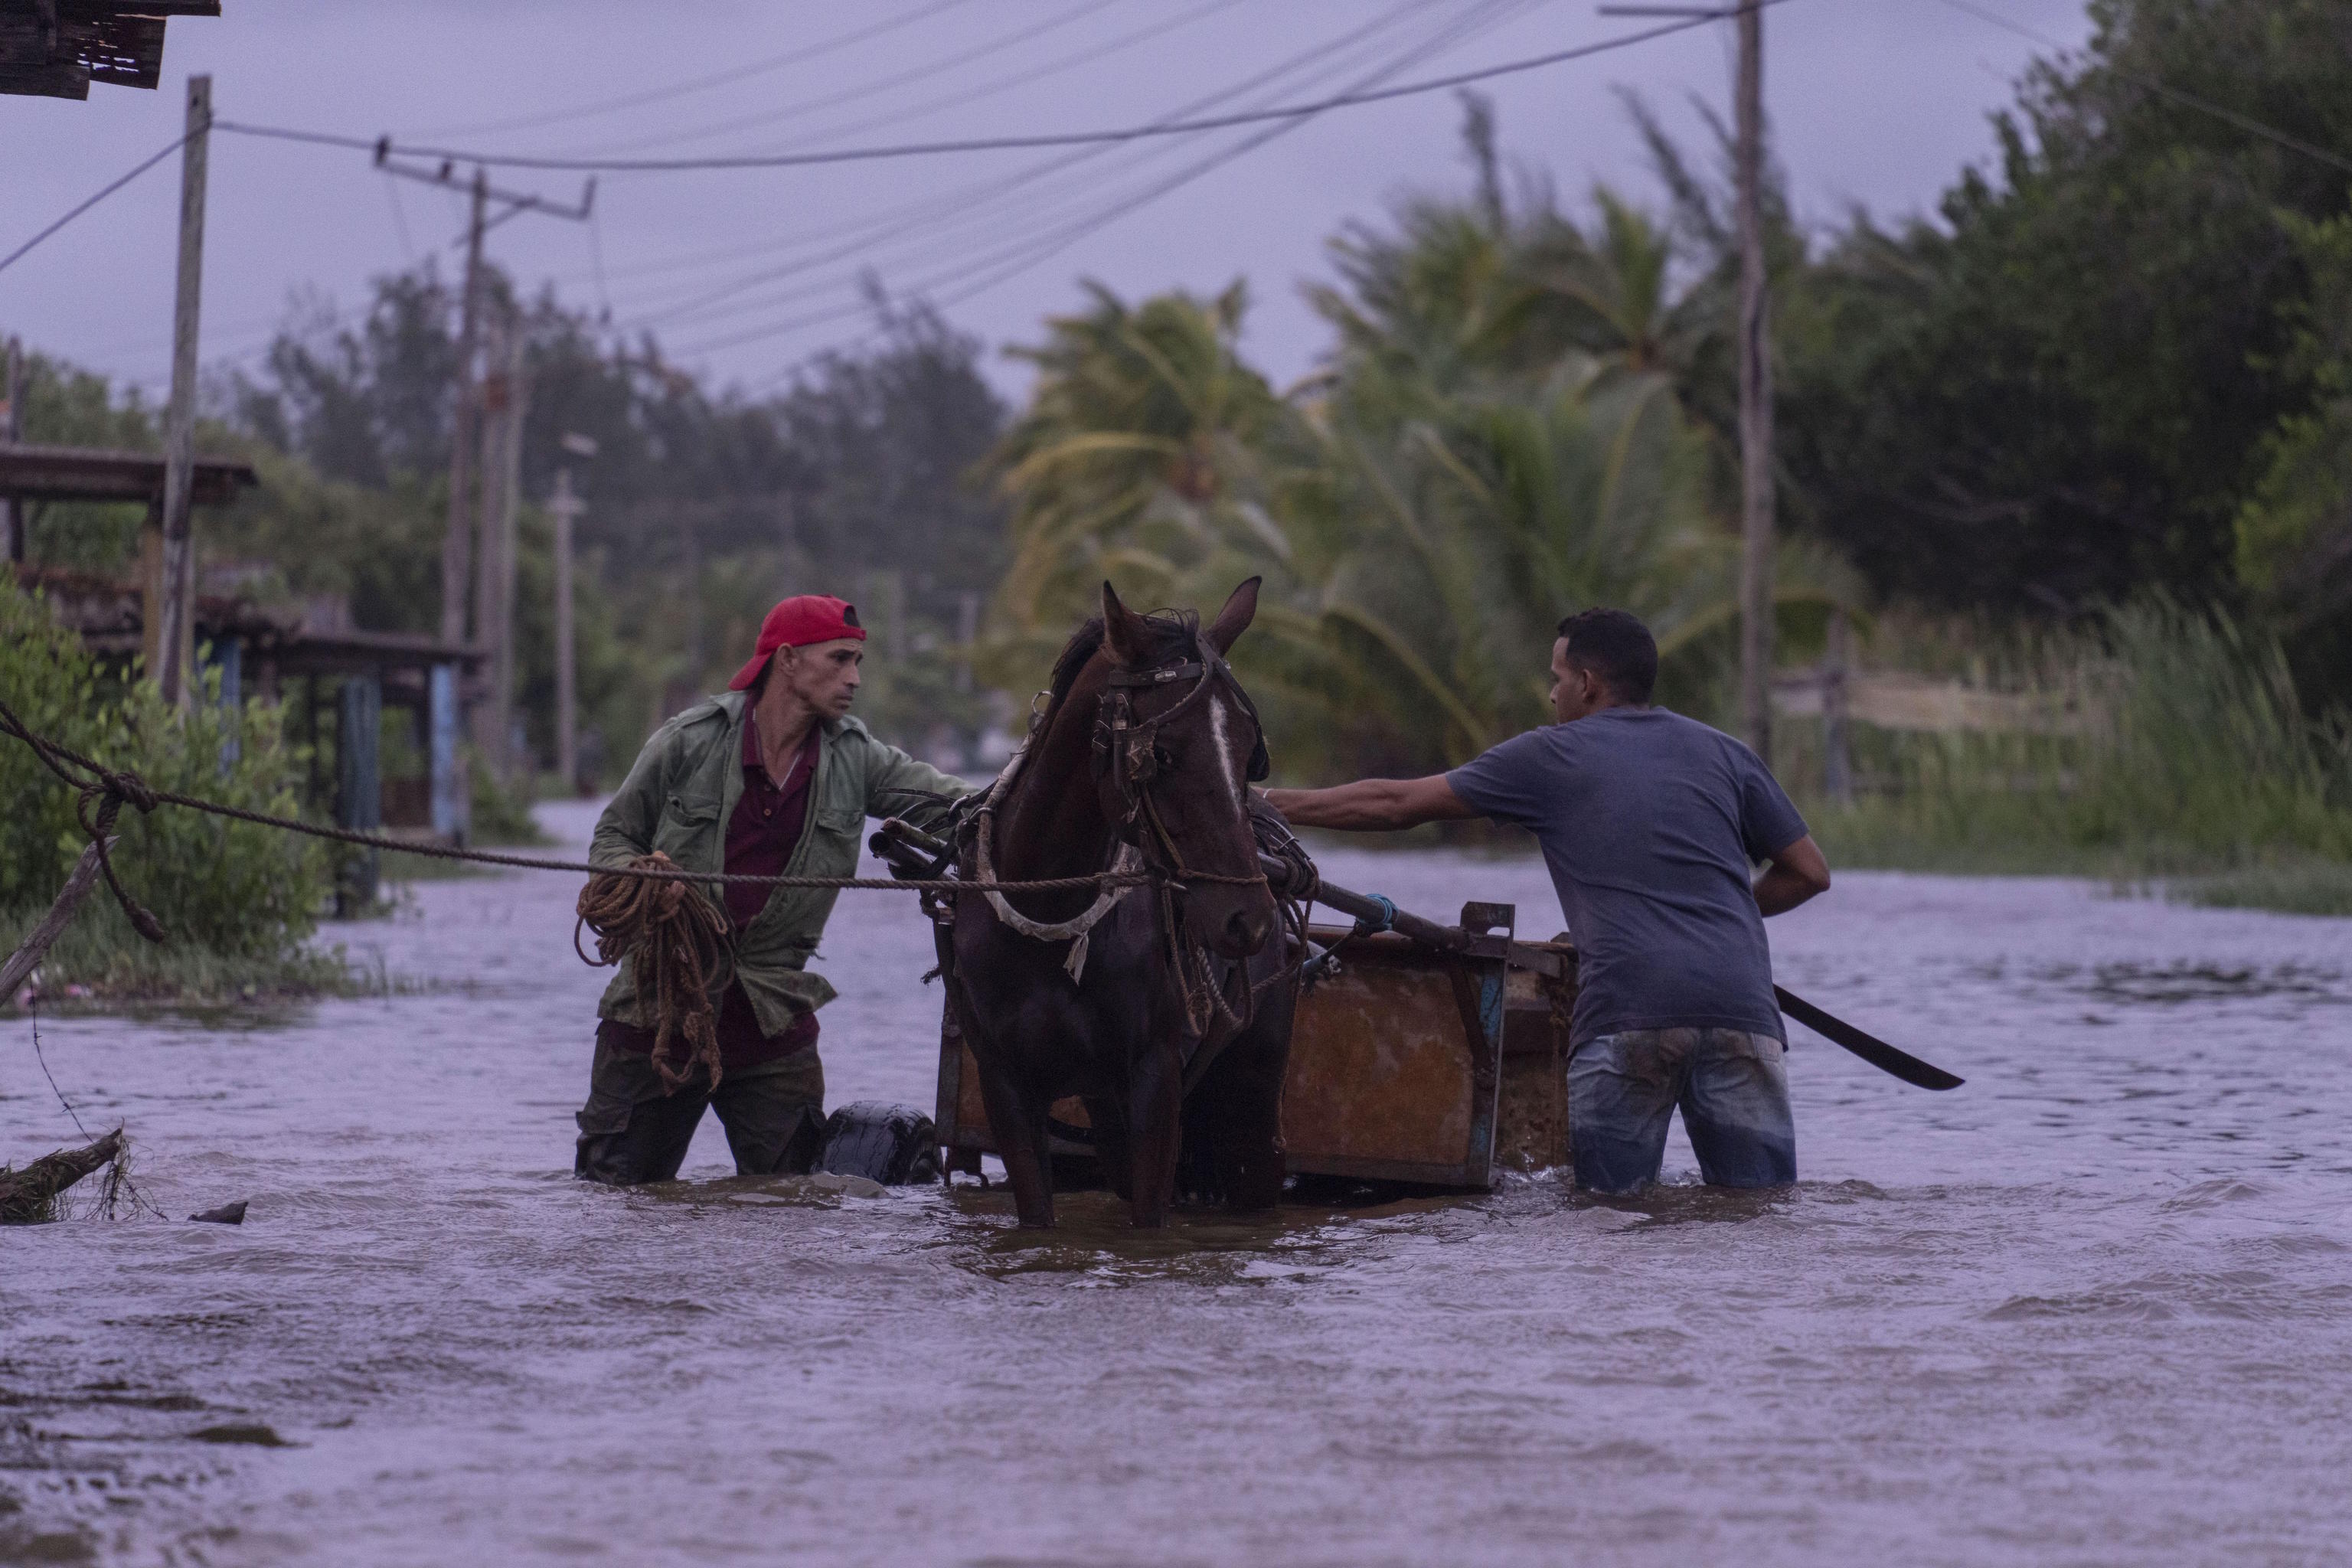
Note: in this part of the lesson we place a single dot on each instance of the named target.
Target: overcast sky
(747, 274)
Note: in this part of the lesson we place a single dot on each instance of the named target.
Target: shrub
(231, 888)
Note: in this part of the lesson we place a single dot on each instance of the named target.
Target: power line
(2186, 99)
(1085, 55)
(868, 88)
(963, 263)
(922, 215)
(905, 216)
(13, 257)
(701, 84)
(993, 144)
(1027, 253)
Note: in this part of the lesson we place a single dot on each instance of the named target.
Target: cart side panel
(1378, 1070)
(1393, 1070)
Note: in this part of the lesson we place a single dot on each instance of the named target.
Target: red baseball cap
(796, 623)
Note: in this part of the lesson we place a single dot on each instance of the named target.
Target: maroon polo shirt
(765, 828)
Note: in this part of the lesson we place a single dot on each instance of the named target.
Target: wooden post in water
(358, 795)
(20, 964)
(172, 619)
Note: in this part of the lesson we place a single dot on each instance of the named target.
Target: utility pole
(12, 513)
(171, 626)
(502, 396)
(1757, 577)
(1837, 674)
(456, 544)
(566, 508)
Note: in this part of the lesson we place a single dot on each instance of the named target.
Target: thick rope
(104, 791)
(678, 940)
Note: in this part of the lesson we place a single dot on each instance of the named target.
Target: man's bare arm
(1791, 876)
(1371, 804)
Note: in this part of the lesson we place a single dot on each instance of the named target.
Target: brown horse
(1171, 1013)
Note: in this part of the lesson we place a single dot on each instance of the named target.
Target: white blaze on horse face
(1227, 769)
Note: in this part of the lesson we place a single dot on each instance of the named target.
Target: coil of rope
(677, 940)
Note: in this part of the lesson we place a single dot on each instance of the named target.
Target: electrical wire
(1038, 72)
(850, 94)
(878, 227)
(1010, 260)
(922, 215)
(701, 84)
(2186, 99)
(14, 256)
(989, 143)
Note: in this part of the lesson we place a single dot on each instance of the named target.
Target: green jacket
(678, 798)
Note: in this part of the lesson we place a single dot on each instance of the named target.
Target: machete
(1869, 1047)
(1837, 1031)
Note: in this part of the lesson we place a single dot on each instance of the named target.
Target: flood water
(2093, 1308)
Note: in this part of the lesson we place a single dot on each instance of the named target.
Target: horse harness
(1129, 751)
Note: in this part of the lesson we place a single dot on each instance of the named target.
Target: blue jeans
(1733, 1089)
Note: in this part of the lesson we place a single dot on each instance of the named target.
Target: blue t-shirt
(1651, 824)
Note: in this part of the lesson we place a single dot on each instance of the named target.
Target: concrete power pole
(1756, 574)
(456, 545)
(171, 630)
(566, 508)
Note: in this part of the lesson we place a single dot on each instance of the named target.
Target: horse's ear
(1122, 632)
(1234, 618)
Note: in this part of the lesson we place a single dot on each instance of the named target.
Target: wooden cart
(1433, 1067)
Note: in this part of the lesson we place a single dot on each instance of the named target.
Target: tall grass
(2200, 761)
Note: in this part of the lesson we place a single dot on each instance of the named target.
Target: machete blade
(1870, 1048)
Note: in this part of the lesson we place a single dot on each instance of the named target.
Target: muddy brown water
(2093, 1308)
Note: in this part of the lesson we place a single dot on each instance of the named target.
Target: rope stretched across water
(104, 792)
(640, 911)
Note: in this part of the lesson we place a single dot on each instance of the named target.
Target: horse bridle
(1130, 750)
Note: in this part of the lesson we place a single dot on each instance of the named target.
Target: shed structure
(351, 672)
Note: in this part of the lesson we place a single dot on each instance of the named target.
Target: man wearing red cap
(771, 777)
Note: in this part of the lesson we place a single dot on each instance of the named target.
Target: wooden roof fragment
(55, 48)
(83, 473)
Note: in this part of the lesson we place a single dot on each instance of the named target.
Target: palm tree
(1143, 457)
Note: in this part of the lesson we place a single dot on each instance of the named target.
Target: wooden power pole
(1757, 577)
(171, 612)
(502, 399)
(456, 545)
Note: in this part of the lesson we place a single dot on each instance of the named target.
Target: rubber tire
(896, 1145)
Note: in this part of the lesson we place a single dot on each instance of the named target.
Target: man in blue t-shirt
(1652, 826)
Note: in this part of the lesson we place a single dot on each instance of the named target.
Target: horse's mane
(1168, 634)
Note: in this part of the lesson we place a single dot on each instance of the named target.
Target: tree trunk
(29, 1195)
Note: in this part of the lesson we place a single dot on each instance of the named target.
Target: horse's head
(1176, 747)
